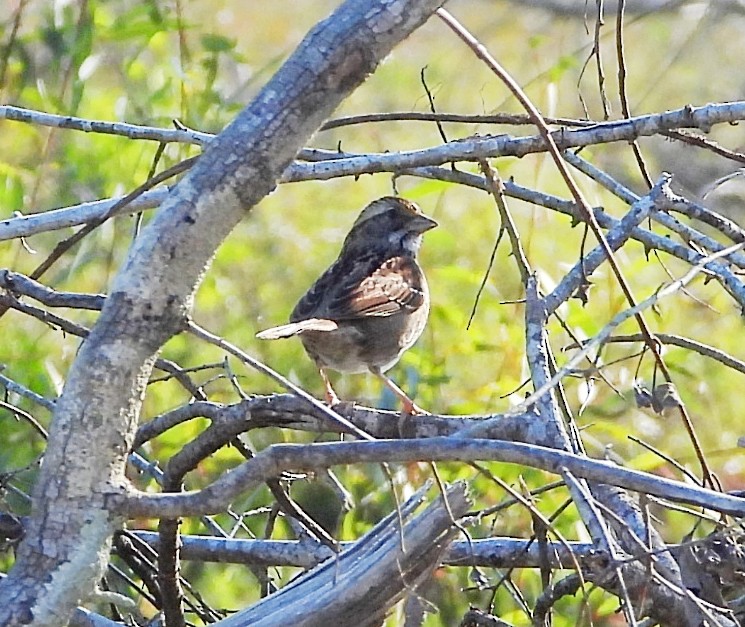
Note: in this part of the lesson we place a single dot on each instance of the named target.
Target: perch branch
(271, 462)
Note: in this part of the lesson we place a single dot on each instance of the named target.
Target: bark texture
(66, 548)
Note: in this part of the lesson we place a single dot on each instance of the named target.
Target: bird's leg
(331, 397)
(409, 406)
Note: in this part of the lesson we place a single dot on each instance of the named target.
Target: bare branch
(55, 219)
(326, 165)
(490, 552)
(601, 337)
(391, 560)
(684, 342)
(20, 284)
(131, 131)
(96, 415)
(272, 461)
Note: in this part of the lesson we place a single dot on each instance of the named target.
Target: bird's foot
(331, 397)
(410, 408)
(342, 407)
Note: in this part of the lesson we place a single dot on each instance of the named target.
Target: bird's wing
(395, 285)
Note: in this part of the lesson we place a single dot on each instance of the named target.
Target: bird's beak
(422, 223)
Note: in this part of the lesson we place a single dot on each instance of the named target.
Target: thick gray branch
(390, 562)
(96, 415)
(271, 462)
(491, 552)
(475, 148)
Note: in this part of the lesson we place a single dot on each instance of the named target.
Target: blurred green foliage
(200, 62)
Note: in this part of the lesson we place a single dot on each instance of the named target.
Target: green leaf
(217, 43)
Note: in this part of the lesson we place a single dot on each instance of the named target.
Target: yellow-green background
(201, 61)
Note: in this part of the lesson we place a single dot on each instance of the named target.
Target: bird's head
(397, 222)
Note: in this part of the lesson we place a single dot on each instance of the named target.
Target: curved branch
(271, 462)
(288, 411)
(366, 580)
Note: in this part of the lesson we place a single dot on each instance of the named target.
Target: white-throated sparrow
(372, 303)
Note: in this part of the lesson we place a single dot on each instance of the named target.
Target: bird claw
(342, 407)
(412, 409)
(331, 398)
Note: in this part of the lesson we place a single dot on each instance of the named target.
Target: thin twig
(130, 131)
(602, 337)
(686, 342)
(16, 388)
(27, 417)
(12, 36)
(515, 119)
(601, 534)
(597, 53)
(588, 217)
(622, 93)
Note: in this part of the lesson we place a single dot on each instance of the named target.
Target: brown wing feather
(396, 285)
(311, 305)
(372, 287)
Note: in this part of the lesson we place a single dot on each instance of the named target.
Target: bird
(372, 303)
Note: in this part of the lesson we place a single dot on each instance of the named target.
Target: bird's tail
(295, 328)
